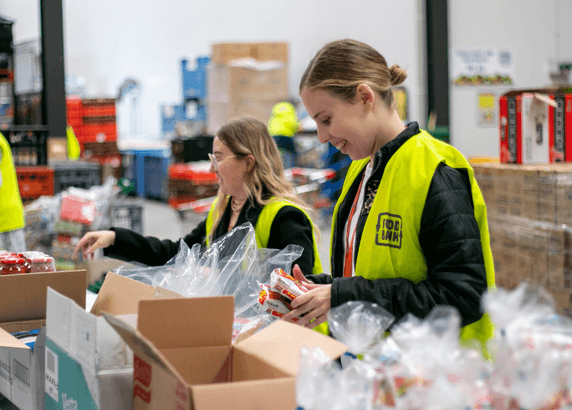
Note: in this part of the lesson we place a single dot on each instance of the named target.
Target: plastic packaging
(13, 265)
(359, 325)
(232, 265)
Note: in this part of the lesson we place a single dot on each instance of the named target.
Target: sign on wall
(482, 66)
(486, 110)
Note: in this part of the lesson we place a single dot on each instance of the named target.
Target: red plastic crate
(192, 173)
(98, 107)
(98, 132)
(34, 182)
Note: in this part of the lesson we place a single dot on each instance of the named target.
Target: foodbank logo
(389, 230)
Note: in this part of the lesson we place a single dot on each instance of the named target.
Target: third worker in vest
(409, 231)
(282, 126)
(252, 188)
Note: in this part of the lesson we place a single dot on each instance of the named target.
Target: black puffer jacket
(449, 238)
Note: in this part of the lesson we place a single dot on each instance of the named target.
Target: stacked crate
(190, 182)
(530, 223)
(94, 124)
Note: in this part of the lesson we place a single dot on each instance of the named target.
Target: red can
(13, 265)
(42, 264)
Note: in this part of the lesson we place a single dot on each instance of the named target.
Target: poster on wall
(486, 115)
(482, 66)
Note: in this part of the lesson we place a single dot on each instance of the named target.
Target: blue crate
(194, 81)
(156, 168)
(148, 170)
(170, 116)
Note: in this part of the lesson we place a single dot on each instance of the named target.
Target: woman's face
(231, 170)
(347, 126)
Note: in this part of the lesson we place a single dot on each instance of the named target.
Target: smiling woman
(409, 230)
(252, 188)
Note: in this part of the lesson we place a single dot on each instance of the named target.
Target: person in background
(12, 220)
(283, 125)
(409, 230)
(252, 189)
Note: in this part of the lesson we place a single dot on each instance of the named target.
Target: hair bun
(397, 74)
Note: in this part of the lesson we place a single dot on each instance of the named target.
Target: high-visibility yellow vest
(264, 225)
(11, 208)
(389, 245)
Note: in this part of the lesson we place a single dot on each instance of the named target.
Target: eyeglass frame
(215, 162)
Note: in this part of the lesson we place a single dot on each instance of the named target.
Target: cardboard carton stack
(530, 222)
(245, 79)
(23, 309)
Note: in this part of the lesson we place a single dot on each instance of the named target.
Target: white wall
(537, 31)
(109, 40)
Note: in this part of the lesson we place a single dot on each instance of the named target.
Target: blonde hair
(249, 136)
(342, 65)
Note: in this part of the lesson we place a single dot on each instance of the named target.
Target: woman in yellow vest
(409, 231)
(252, 188)
(12, 222)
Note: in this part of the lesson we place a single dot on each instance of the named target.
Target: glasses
(216, 162)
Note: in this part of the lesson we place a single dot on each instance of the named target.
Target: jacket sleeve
(450, 240)
(151, 251)
(292, 227)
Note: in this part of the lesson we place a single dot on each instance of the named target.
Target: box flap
(7, 340)
(12, 327)
(279, 345)
(187, 322)
(120, 295)
(24, 296)
(141, 347)
(276, 394)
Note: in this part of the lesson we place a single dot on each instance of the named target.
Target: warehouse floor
(162, 221)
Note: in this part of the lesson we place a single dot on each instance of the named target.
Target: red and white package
(77, 209)
(273, 302)
(286, 285)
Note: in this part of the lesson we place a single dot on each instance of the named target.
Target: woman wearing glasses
(252, 188)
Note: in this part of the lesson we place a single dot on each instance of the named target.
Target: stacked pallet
(530, 223)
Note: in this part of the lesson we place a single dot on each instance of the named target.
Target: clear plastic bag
(232, 265)
(359, 325)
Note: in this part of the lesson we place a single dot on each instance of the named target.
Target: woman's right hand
(92, 241)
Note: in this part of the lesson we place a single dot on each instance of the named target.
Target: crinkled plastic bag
(232, 265)
(359, 325)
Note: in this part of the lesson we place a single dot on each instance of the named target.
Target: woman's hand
(92, 241)
(315, 303)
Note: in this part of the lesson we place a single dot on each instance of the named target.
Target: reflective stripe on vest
(11, 208)
(389, 245)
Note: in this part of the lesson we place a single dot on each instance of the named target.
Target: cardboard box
(87, 364)
(226, 83)
(271, 52)
(57, 149)
(531, 131)
(23, 308)
(96, 268)
(185, 360)
(224, 53)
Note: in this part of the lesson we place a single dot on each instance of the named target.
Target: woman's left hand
(315, 303)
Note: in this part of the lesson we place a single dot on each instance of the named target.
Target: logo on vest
(389, 230)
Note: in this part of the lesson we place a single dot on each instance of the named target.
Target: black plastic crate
(192, 149)
(29, 144)
(78, 174)
(127, 216)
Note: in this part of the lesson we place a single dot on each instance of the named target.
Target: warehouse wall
(109, 40)
(537, 31)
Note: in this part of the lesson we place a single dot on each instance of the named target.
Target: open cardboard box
(184, 358)
(23, 308)
(87, 364)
